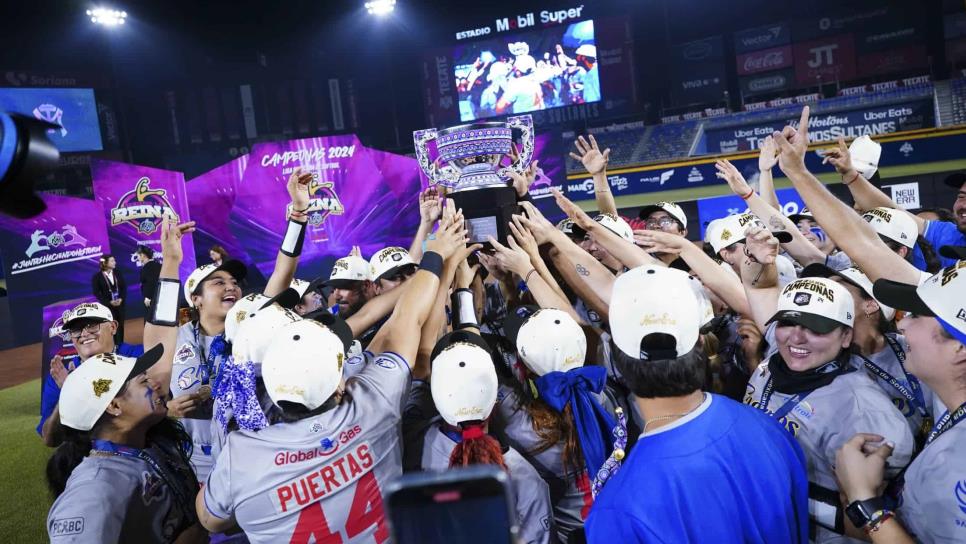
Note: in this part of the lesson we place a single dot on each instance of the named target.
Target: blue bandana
(577, 388)
(235, 396)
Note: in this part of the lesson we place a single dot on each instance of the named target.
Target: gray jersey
(186, 377)
(530, 493)
(322, 475)
(887, 360)
(838, 261)
(933, 502)
(114, 499)
(827, 418)
(570, 491)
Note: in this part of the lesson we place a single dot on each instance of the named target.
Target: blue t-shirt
(50, 393)
(939, 234)
(725, 473)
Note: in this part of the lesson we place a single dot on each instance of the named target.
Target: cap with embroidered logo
(388, 262)
(896, 225)
(818, 304)
(303, 364)
(348, 270)
(671, 208)
(464, 384)
(200, 274)
(942, 295)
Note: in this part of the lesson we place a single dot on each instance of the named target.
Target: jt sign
(825, 60)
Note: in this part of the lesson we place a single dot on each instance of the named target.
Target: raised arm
(866, 195)
(767, 159)
(759, 275)
(430, 208)
(526, 240)
(401, 334)
(161, 323)
(799, 248)
(851, 233)
(628, 253)
(595, 162)
(288, 255)
(721, 282)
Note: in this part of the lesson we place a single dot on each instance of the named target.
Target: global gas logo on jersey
(143, 208)
(340, 472)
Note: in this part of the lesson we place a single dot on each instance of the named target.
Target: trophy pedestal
(487, 211)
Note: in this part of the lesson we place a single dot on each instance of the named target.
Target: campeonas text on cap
(813, 286)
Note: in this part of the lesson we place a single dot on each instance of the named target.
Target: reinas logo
(143, 208)
(324, 201)
(66, 236)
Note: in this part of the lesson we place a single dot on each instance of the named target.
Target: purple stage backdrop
(54, 339)
(49, 258)
(210, 198)
(359, 197)
(134, 199)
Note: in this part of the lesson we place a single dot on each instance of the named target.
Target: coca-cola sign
(765, 60)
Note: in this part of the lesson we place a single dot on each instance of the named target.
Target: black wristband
(464, 311)
(164, 305)
(525, 198)
(294, 238)
(432, 262)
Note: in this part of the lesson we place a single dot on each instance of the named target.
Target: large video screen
(73, 110)
(527, 71)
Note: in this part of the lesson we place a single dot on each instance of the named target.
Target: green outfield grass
(24, 499)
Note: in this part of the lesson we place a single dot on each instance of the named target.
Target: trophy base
(487, 212)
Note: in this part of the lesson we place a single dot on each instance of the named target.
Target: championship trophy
(473, 163)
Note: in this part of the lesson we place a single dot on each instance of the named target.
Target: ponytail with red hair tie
(473, 431)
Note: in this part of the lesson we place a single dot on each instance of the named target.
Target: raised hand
(522, 182)
(512, 258)
(590, 156)
(538, 225)
(464, 272)
(768, 156)
(761, 246)
(298, 189)
(860, 465)
(58, 371)
(793, 144)
(751, 339)
(658, 241)
(430, 205)
(573, 211)
(171, 234)
(450, 236)
(524, 238)
(493, 267)
(839, 157)
(736, 181)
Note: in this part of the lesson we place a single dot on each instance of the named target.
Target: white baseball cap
(671, 208)
(389, 261)
(818, 304)
(464, 384)
(91, 387)
(895, 225)
(93, 311)
(200, 274)
(942, 295)
(704, 301)
(725, 231)
(852, 276)
(586, 50)
(348, 270)
(865, 154)
(257, 332)
(615, 224)
(548, 340)
(652, 308)
(786, 270)
(303, 364)
(245, 308)
(566, 226)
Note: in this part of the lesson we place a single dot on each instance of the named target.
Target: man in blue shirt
(942, 233)
(91, 328)
(705, 469)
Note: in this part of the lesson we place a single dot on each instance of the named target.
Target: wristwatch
(862, 512)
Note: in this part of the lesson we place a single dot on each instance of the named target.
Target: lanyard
(785, 408)
(106, 446)
(948, 421)
(207, 360)
(913, 397)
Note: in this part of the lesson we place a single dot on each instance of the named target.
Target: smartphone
(467, 505)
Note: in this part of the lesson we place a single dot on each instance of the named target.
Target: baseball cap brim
(516, 319)
(147, 360)
(456, 337)
(901, 296)
(334, 323)
(236, 268)
(812, 322)
(288, 299)
(648, 210)
(782, 236)
(92, 319)
(342, 283)
(956, 180)
(795, 218)
(953, 252)
(395, 270)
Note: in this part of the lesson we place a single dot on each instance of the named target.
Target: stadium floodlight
(106, 16)
(380, 7)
